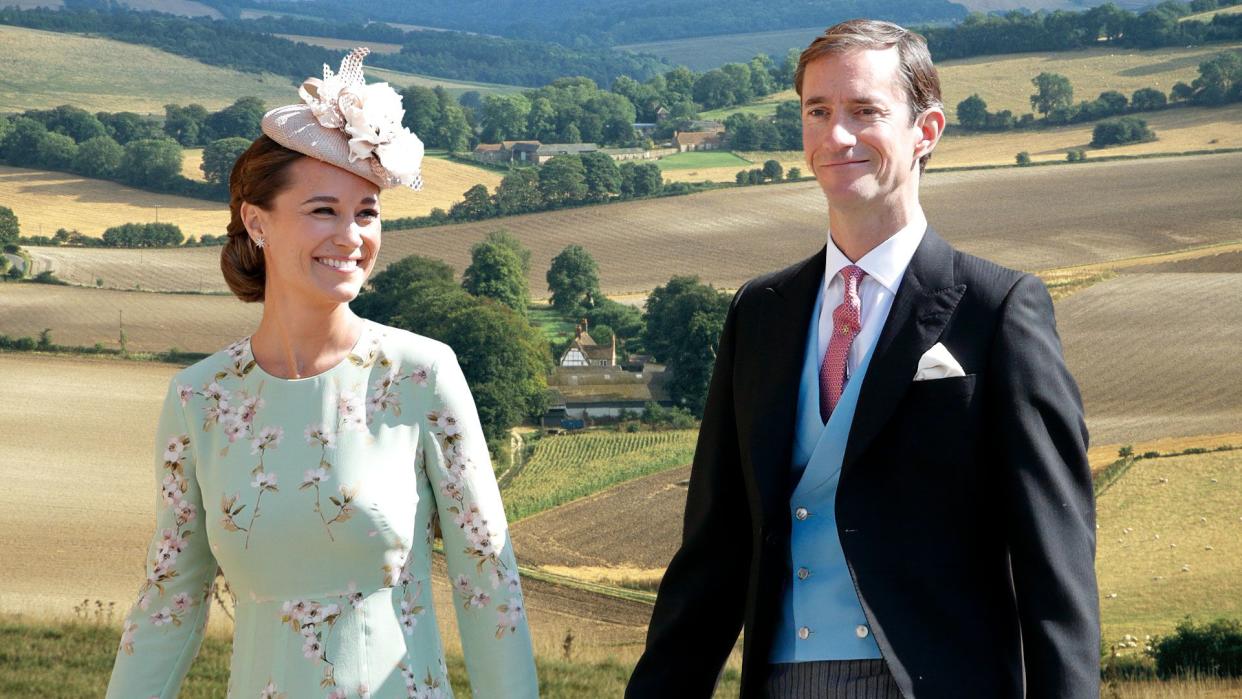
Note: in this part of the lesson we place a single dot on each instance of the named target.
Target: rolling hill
(47, 69)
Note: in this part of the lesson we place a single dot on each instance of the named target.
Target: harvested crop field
(1156, 354)
(1221, 263)
(46, 200)
(78, 509)
(1028, 218)
(152, 322)
(634, 525)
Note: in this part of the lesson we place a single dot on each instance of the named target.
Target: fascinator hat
(345, 122)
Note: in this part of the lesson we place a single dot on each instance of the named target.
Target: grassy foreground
(74, 660)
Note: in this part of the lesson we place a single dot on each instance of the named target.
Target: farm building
(686, 141)
(501, 153)
(592, 393)
(583, 351)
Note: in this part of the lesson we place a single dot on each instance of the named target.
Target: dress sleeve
(487, 594)
(164, 628)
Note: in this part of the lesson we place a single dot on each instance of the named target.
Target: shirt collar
(886, 263)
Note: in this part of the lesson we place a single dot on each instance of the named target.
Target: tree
(1181, 92)
(56, 151)
(519, 193)
(219, 157)
(98, 157)
(78, 124)
(454, 131)
(185, 124)
(151, 162)
(772, 170)
(641, 179)
(684, 319)
(714, 89)
(124, 127)
(502, 236)
(21, 144)
(788, 125)
(495, 271)
(1023, 159)
(243, 119)
(1113, 102)
(386, 290)
(1146, 99)
(422, 113)
(1052, 91)
(761, 70)
(624, 321)
(1220, 79)
(562, 180)
(573, 279)
(10, 231)
(541, 120)
(476, 205)
(1127, 129)
(503, 117)
(603, 177)
(793, 175)
(972, 112)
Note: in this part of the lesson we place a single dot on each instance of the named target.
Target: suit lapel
(923, 306)
(786, 318)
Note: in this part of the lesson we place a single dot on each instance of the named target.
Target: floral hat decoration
(345, 122)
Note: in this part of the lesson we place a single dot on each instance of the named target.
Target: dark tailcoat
(964, 507)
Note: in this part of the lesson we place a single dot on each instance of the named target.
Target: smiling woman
(332, 577)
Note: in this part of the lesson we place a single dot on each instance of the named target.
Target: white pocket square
(937, 363)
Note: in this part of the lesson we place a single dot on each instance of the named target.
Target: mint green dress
(318, 498)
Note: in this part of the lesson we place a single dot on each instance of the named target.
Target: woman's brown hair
(261, 173)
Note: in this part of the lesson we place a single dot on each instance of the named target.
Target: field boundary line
(1190, 253)
(613, 591)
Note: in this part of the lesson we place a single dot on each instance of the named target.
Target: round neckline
(366, 326)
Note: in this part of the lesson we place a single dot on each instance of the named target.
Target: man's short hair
(918, 76)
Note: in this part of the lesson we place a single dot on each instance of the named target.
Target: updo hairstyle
(259, 175)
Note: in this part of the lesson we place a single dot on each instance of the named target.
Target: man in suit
(890, 492)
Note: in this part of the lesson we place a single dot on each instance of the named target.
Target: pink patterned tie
(846, 320)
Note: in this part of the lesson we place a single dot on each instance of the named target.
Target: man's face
(857, 131)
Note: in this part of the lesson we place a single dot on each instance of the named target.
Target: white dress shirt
(885, 266)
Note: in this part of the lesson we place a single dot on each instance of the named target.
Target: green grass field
(572, 466)
(556, 327)
(47, 69)
(73, 660)
(1170, 544)
(701, 159)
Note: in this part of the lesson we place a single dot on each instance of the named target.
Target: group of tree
(132, 149)
(1127, 129)
(563, 181)
(684, 319)
(143, 235)
(1219, 82)
(781, 132)
(772, 171)
(1060, 30)
(568, 110)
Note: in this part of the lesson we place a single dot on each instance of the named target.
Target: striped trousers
(831, 679)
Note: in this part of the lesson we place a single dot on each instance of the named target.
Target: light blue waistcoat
(824, 602)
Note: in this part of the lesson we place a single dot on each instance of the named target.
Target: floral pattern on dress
(172, 542)
(480, 541)
(308, 618)
(430, 687)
